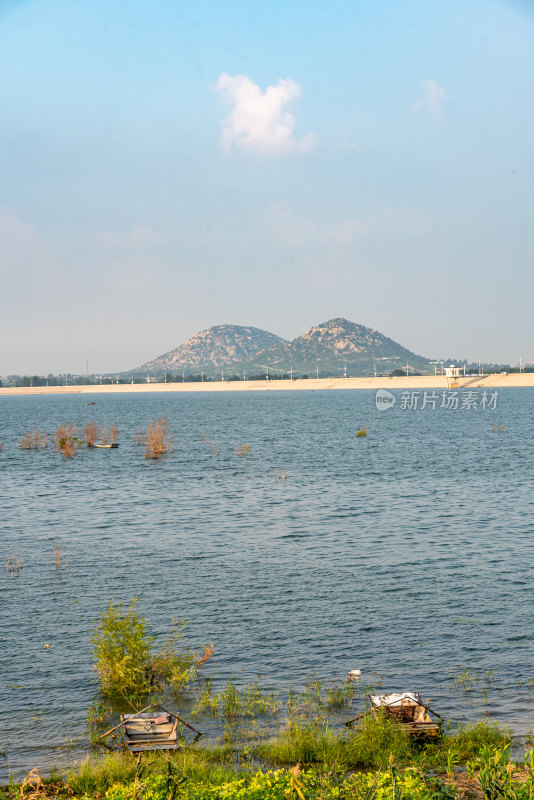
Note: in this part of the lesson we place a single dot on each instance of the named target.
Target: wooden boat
(149, 731)
(108, 446)
(410, 710)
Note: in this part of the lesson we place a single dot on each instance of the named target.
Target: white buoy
(355, 673)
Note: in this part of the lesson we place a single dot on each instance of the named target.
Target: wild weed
(500, 778)
(242, 450)
(233, 702)
(65, 440)
(15, 563)
(339, 695)
(90, 433)
(158, 440)
(33, 440)
(58, 558)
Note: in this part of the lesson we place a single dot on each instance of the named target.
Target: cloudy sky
(167, 165)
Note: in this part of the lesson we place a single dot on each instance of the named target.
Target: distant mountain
(336, 343)
(211, 349)
(329, 348)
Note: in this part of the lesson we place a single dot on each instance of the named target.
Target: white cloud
(260, 121)
(433, 100)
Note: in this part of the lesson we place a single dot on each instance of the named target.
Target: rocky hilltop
(329, 348)
(213, 348)
(339, 342)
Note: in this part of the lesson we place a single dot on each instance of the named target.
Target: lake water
(408, 552)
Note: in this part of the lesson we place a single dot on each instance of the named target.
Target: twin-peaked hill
(329, 348)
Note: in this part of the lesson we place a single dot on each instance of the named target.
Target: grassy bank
(305, 760)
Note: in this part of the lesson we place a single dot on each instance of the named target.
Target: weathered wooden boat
(408, 709)
(149, 731)
(108, 446)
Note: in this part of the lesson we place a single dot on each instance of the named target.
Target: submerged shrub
(65, 440)
(125, 661)
(33, 440)
(90, 433)
(158, 439)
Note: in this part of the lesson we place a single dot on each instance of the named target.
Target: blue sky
(167, 166)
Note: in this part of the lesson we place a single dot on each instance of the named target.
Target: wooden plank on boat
(153, 731)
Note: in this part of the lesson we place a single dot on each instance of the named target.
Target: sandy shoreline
(400, 383)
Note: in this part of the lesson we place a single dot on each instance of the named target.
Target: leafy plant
(122, 649)
(125, 661)
(499, 776)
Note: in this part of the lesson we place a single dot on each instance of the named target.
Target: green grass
(372, 742)
(232, 702)
(369, 761)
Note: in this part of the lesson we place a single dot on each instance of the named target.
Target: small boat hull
(143, 732)
(408, 709)
(108, 446)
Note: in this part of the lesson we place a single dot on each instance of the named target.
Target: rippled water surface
(408, 552)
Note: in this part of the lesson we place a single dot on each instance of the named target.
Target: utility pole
(317, 371)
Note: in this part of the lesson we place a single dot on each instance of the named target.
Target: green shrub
(125, 661)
